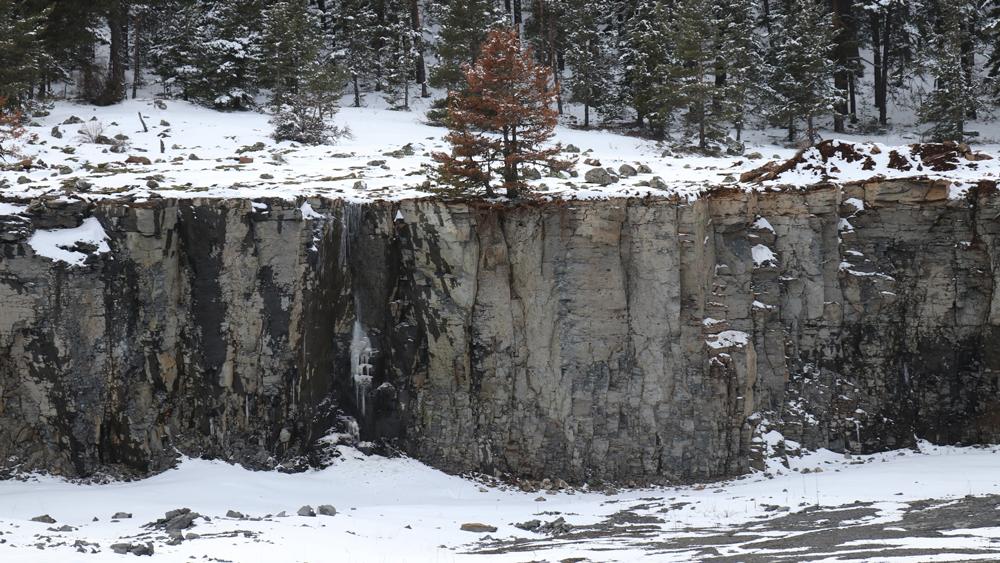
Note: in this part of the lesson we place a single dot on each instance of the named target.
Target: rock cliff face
(623, 340)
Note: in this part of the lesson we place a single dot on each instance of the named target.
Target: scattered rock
(23, 180)
(164, 123)
(477, 528)
(657, 183)
(72, 120)
(643, 169)
(571, 148)
(376, 163)
(734, 147)
(306, 511)
(133, 548)
(159, 104)
(121, 515)
(63, 528)
(193, 156)
(530, 525)
(138, 160)
(235, 514)
(626, 170)
(266, 176)
(592, 162)
(56, 132)
(152, 184)
(532, 174)
(556, 527)
(327, 510)
(44, 518)
(175, 520)
(754, 156)
(246, 160)
(599, 176)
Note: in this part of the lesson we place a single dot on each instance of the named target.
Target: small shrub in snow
(299, 124)
(92, 131)
(303, 124)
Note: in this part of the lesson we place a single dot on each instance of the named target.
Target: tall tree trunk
(968, 63)
(421, 68)
(554, 62)
(114, 87)
(136, 53)
(586, 115)
(853, 101)
(845, 54)
(883, 102)
(879, 23)
(357, 90)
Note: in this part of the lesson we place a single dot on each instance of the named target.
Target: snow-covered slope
(386, 157)
(398, 509)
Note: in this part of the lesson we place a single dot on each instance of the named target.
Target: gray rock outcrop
(619, 340)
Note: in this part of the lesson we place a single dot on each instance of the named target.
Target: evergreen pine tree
(353, 40)
(305, 85)
(645, 55)
(690, 85)
(954, 96)
(396, 56)
(463, 26)
(175, 48)
(800, 81)
(227, 50)
(740, 62)
(590, 56)
(21, 55)
(291, 44)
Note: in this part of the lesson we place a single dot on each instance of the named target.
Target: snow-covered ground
(401, 510)
(386, 157)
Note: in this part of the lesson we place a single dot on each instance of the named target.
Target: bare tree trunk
(421, 68)
(557, 81)
(883, 113)
(114, 87)
(136, 53)
(968, 64)
(845, 53)
(586, 115)
(357, 91)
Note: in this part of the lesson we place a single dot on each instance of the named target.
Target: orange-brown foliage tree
(500, 122)
(11, 125)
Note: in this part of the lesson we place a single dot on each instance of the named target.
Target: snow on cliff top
(190, 151)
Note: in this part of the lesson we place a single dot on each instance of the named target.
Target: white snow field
(401, 510)
(386, 157)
